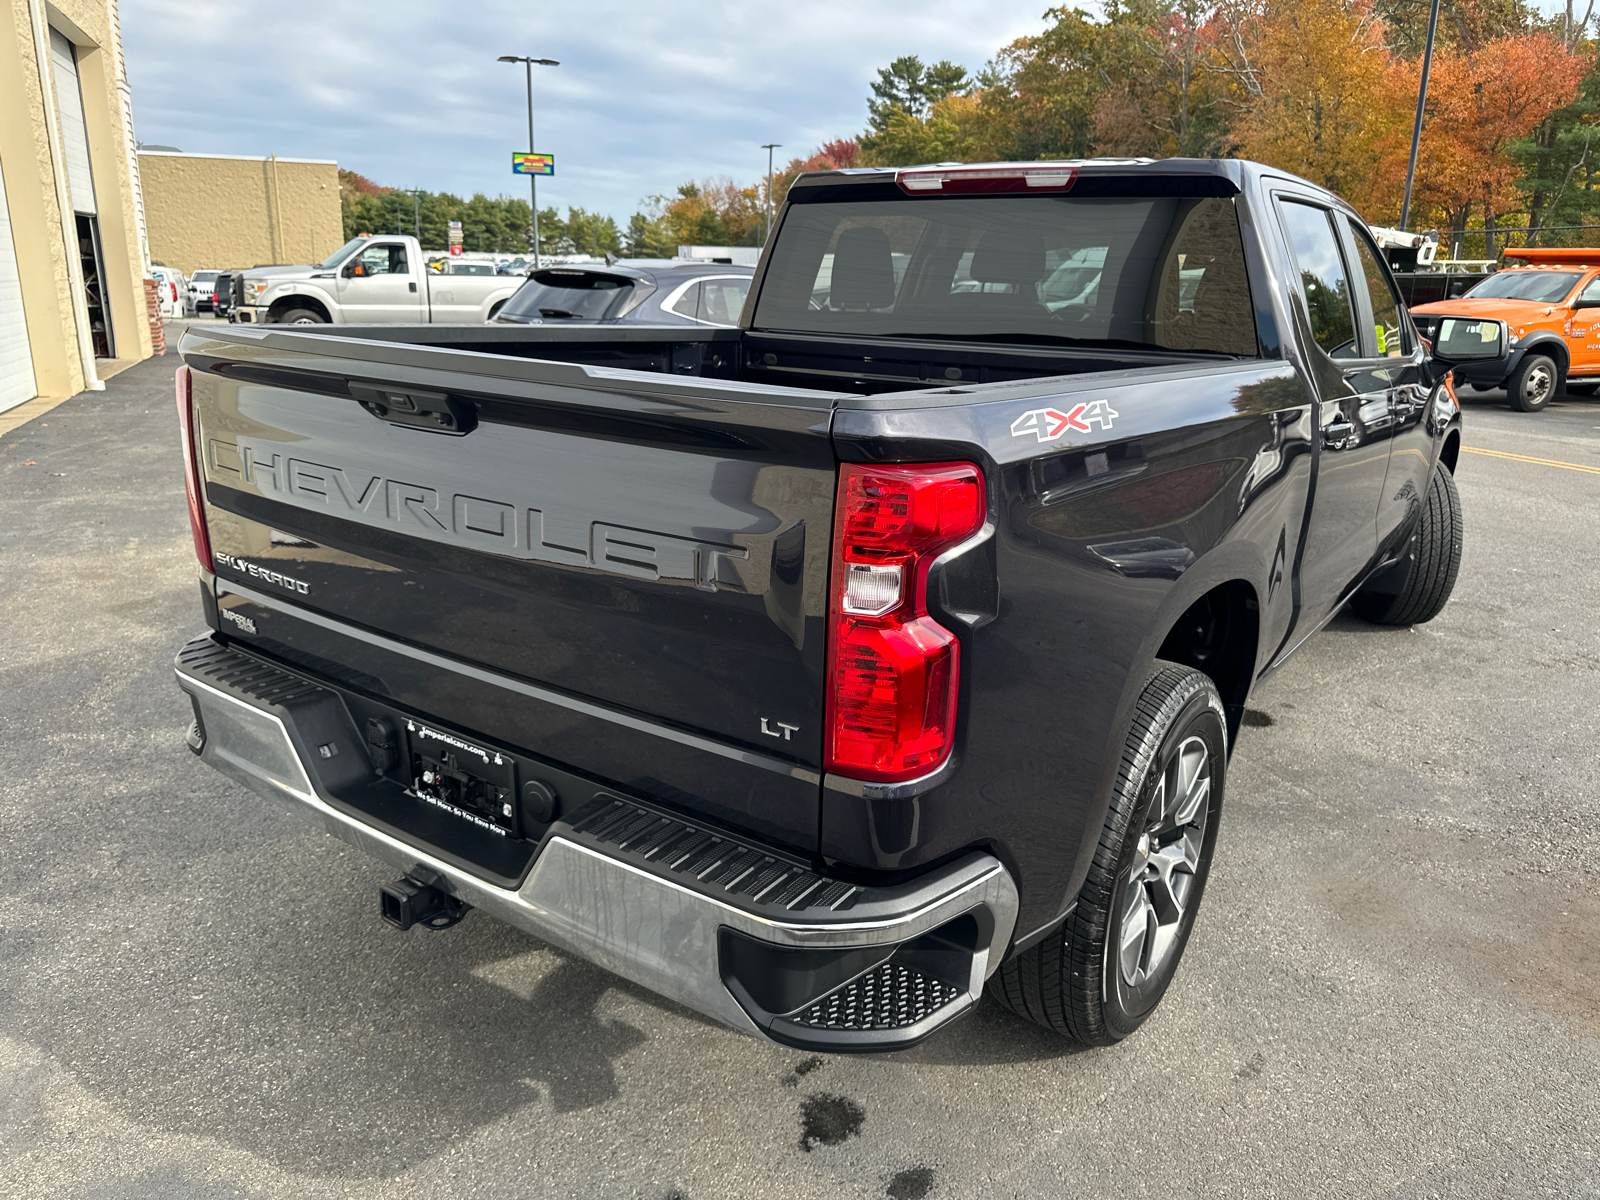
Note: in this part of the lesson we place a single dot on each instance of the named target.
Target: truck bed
(851, 365)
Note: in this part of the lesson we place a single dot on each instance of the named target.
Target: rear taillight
(893, 671)
(191, 469)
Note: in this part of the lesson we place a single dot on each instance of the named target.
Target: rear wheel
(1101, 975)
(301, 316)
(1533, 384)
(1417, 588)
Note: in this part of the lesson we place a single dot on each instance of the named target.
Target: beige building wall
(222, 211)
(42, 222)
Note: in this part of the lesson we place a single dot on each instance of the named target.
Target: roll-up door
(74, 133)
(16, 359)
(80, 181)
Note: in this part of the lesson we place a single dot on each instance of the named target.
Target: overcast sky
(647, 95)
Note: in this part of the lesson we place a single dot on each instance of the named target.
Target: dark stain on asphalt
(828, 1120)
(1252, 1068)
(1257, 718)
(911, 1184)
(804, 1067)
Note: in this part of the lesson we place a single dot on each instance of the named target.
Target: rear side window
(714, 301)
(1323, 279)
(557, 295)
(1163, 272)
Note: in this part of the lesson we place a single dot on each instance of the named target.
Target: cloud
(648, 94)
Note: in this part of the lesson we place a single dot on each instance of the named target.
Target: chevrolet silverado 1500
(818, 672)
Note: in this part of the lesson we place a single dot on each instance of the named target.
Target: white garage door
(16, 361)
(74, 132)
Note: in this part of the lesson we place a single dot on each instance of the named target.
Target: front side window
(1542, 287)
(1162, 272)
(1323, 280)
(1387, 328)
(384, 259)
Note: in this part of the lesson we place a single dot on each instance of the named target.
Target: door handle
(413, 285)
(1337, 433)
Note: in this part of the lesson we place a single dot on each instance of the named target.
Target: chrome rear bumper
(893, 964)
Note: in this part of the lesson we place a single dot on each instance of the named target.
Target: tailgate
(648, 552)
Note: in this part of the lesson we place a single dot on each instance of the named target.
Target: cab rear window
(1164, 272)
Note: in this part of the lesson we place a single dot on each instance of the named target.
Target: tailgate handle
(436, 412)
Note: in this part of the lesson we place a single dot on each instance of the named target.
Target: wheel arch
(1551, 347)
(1450, 452)
(1220, 634)
(299, 300)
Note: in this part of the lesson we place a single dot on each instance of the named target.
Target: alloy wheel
(1165, 860)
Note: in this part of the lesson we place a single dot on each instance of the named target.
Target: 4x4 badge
(1050, 423)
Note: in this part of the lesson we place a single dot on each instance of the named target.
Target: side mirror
(1469, 339)
(354, 269)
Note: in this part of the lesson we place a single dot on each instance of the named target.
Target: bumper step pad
(891, 997)
(706, 861)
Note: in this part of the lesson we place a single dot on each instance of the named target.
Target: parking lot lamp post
(1416, 129)
(533, 180)
(769, 147)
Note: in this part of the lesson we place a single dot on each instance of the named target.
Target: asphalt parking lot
(1393, 990)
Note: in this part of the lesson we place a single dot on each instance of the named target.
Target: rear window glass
(1543, 287)
(1163, 272)
(205, 276)
(568, 295)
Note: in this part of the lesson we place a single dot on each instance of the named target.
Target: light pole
(1416, 129)
(416, 213)
(533, 180)
(769, 147)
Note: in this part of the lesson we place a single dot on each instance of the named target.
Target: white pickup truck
(369, 280)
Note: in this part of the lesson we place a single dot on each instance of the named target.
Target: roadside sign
(533, 164)
(455, 233)
(455, 248)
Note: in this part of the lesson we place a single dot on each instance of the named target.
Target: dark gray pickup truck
(817, 672)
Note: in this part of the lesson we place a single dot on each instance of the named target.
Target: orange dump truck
(1552, 306)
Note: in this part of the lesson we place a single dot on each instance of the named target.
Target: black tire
(1417, 588)
(1076, 981)
(1534, 383)
(300, 316)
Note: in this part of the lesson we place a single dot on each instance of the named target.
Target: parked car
(812, 672)
(173, 290)
(1552, 306)
(372, 280)
(517, 266)
(224, 293)
(680, 294)
(200, 287)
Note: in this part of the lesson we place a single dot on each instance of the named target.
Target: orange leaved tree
(1478, 104)
(1310, 77)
